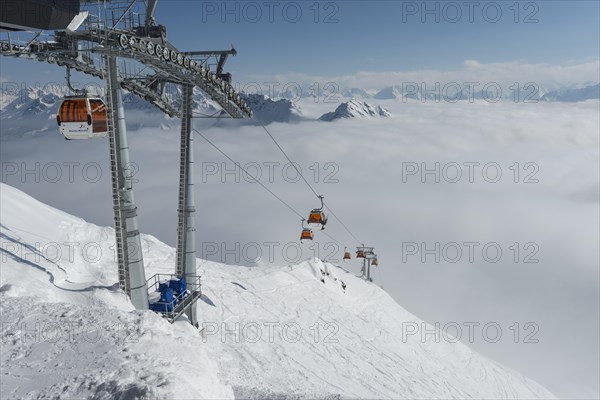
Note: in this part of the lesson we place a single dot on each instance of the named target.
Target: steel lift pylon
(366, 267)
(117, 31)
(186, 231)
(132, 277)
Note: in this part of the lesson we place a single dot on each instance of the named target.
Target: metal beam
(150, 10)
(210, 53)
(218, 89)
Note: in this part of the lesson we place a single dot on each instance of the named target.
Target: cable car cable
(308, 184)
(344, 225)
(288, 158)
(246, 172)
(260, 183)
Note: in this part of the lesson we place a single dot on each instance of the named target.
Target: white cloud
(549, 76)
(559, 213)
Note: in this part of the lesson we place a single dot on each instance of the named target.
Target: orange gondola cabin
(82, 118)
(317, 216)
(347, 255)
(360, 254)
(307, 234)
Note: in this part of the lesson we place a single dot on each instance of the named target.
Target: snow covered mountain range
(356, 108)
(456, 92)
(267, 110)
(311, 330)
(573, 95)
(32, 111)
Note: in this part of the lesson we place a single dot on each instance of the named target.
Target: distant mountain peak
(267, 110)
(572, 95)
(354, 93)
(356, 109)
(391, 92)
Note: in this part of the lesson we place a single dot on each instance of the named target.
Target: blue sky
(345, 37)
(385, 35)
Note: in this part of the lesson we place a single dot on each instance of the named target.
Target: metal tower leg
(186, 229)
(132, 277)
(368, 263)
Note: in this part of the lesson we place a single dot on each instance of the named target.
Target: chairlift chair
(317, 216)
(307, 233)
(346, 255)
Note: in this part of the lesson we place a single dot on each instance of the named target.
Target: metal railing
(180, 303)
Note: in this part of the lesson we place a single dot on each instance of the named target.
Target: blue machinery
(93, 42)
(172, 295)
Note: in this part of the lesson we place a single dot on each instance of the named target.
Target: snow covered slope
(30, 112)
(69, 333)
(355, 108)
(267, 110)
(308, 330)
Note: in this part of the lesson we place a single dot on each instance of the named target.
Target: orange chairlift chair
(360, 252)
(307, 233)
(317, 216)
(346, 255)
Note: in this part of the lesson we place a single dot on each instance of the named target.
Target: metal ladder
(117, 185)
(186, 94)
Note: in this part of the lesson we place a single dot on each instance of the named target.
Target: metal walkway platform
(182, 302)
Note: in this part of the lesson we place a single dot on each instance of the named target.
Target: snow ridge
(267, 110)
(356, 108)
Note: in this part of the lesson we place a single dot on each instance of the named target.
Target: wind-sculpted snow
(98, 351)
(311, 330)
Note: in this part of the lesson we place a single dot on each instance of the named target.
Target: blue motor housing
(178, 285)
(166, 295)
(170, 292)
(162, 286)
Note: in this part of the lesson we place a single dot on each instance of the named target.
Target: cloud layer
(506, 74)
(365, 168)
